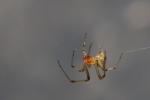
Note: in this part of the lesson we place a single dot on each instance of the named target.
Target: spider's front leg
(75, 81)
(74, 66)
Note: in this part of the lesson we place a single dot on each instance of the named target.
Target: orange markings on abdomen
(89, 60)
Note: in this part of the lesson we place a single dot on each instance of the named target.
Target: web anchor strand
(136, 50)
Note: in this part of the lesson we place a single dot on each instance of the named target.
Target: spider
(98, 62)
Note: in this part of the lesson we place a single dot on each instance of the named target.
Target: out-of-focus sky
(35, 33)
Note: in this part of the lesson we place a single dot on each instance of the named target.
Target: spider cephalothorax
(89, 60)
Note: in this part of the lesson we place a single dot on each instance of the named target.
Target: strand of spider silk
(136, 50)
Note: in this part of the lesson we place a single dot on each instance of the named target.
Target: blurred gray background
(35, 33)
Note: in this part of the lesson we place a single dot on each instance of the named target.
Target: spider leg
(72, 63)
(123, 53)
(117, 64)
(89, 50)
(72, 59)
(81, 70)
(98, 73)
(84, 40)
(75, 81)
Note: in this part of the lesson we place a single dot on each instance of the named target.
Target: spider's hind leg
(98, 73)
